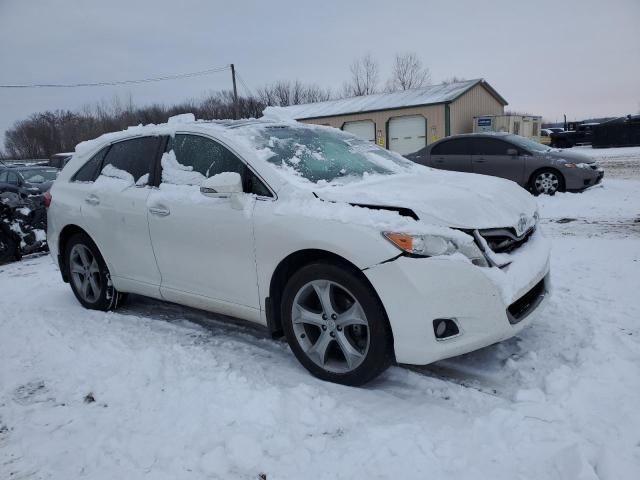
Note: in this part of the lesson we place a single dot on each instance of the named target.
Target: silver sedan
(530, 164)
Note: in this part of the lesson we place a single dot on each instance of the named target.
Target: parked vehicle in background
(545, 136)
(530, 164)
(25, 179)
(358, 256)
(620, 132)
(59, 160)
(582, 135)
(23, 223)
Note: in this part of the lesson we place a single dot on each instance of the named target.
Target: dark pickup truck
(581, 135)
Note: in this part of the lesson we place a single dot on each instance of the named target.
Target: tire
(546, 181)
(351, 319)
(9, 250)
(88, 275)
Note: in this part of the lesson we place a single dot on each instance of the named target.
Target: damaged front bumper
(487, 304)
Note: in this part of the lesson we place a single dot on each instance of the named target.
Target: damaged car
(359, 257)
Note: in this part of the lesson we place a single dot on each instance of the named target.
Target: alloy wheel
(85, 273)
(330, 326)
(547, 182)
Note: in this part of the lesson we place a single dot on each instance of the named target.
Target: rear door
(491, 157)
(453, 154)
(115, 209)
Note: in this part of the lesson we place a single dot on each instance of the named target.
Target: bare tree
(364, 77)
(284, 93)
(408, 72)
(453, 79)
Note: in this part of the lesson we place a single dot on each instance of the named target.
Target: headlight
(434, 245)
(577, 165)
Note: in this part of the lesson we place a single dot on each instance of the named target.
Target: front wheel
(547, 182)
(89, 276)
(335, 325)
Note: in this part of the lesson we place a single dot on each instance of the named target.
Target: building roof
(429, 95)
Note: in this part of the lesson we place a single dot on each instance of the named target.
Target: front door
(204, 246)
(491, 157)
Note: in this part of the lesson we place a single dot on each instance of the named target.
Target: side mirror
(222, 185)
(512, 151)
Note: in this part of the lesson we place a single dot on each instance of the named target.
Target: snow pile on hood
(442, 198)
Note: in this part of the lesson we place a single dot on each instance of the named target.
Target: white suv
(358, 256)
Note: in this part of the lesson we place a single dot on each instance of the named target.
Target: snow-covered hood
(450, 199)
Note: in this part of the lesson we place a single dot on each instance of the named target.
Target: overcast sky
(552, 57)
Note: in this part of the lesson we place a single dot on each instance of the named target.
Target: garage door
(407, 134)
(364, 129)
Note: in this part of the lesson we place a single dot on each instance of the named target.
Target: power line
(120, 82)
(244, 85)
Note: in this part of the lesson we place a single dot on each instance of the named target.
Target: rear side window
(134, 156)
(13, 179)
(3, 176)
(198, 158)
(491, 146)
(458, 146)
(90, 170)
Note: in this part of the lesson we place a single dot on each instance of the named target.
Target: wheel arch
(65, 235)
(291, 264)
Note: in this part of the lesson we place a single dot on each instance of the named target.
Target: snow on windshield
(324, 155)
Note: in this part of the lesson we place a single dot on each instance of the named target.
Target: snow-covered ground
(621, 162)
(163, 392)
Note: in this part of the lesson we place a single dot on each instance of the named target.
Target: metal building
(406, 121)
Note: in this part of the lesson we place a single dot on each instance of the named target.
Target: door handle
(92, 200)
(481, 160)
(439, 161)
(159, 211)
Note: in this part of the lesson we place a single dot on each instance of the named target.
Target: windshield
(39, 175)
(325, 154)
(528, 144)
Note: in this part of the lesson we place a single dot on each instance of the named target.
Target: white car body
(157, 242)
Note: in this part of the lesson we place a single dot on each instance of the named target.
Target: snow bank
(614, 199)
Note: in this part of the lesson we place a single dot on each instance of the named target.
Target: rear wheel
(8, 248)
(335, 325)
(89, 276)
(546, 182)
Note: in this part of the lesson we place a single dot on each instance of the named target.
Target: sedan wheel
(335, 324)
(330, 326)
(546, 182)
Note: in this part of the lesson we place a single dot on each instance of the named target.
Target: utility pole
(236, 109)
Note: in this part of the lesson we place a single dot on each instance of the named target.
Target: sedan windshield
(528, 144)
(39, 175)
(320, 154)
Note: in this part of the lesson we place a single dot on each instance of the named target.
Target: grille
(505, 240)
(522, 307)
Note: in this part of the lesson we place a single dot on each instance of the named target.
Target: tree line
(45, 133)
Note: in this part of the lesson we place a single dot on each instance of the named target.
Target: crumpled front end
(486, 304)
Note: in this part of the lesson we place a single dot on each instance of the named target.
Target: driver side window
(190, 159)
